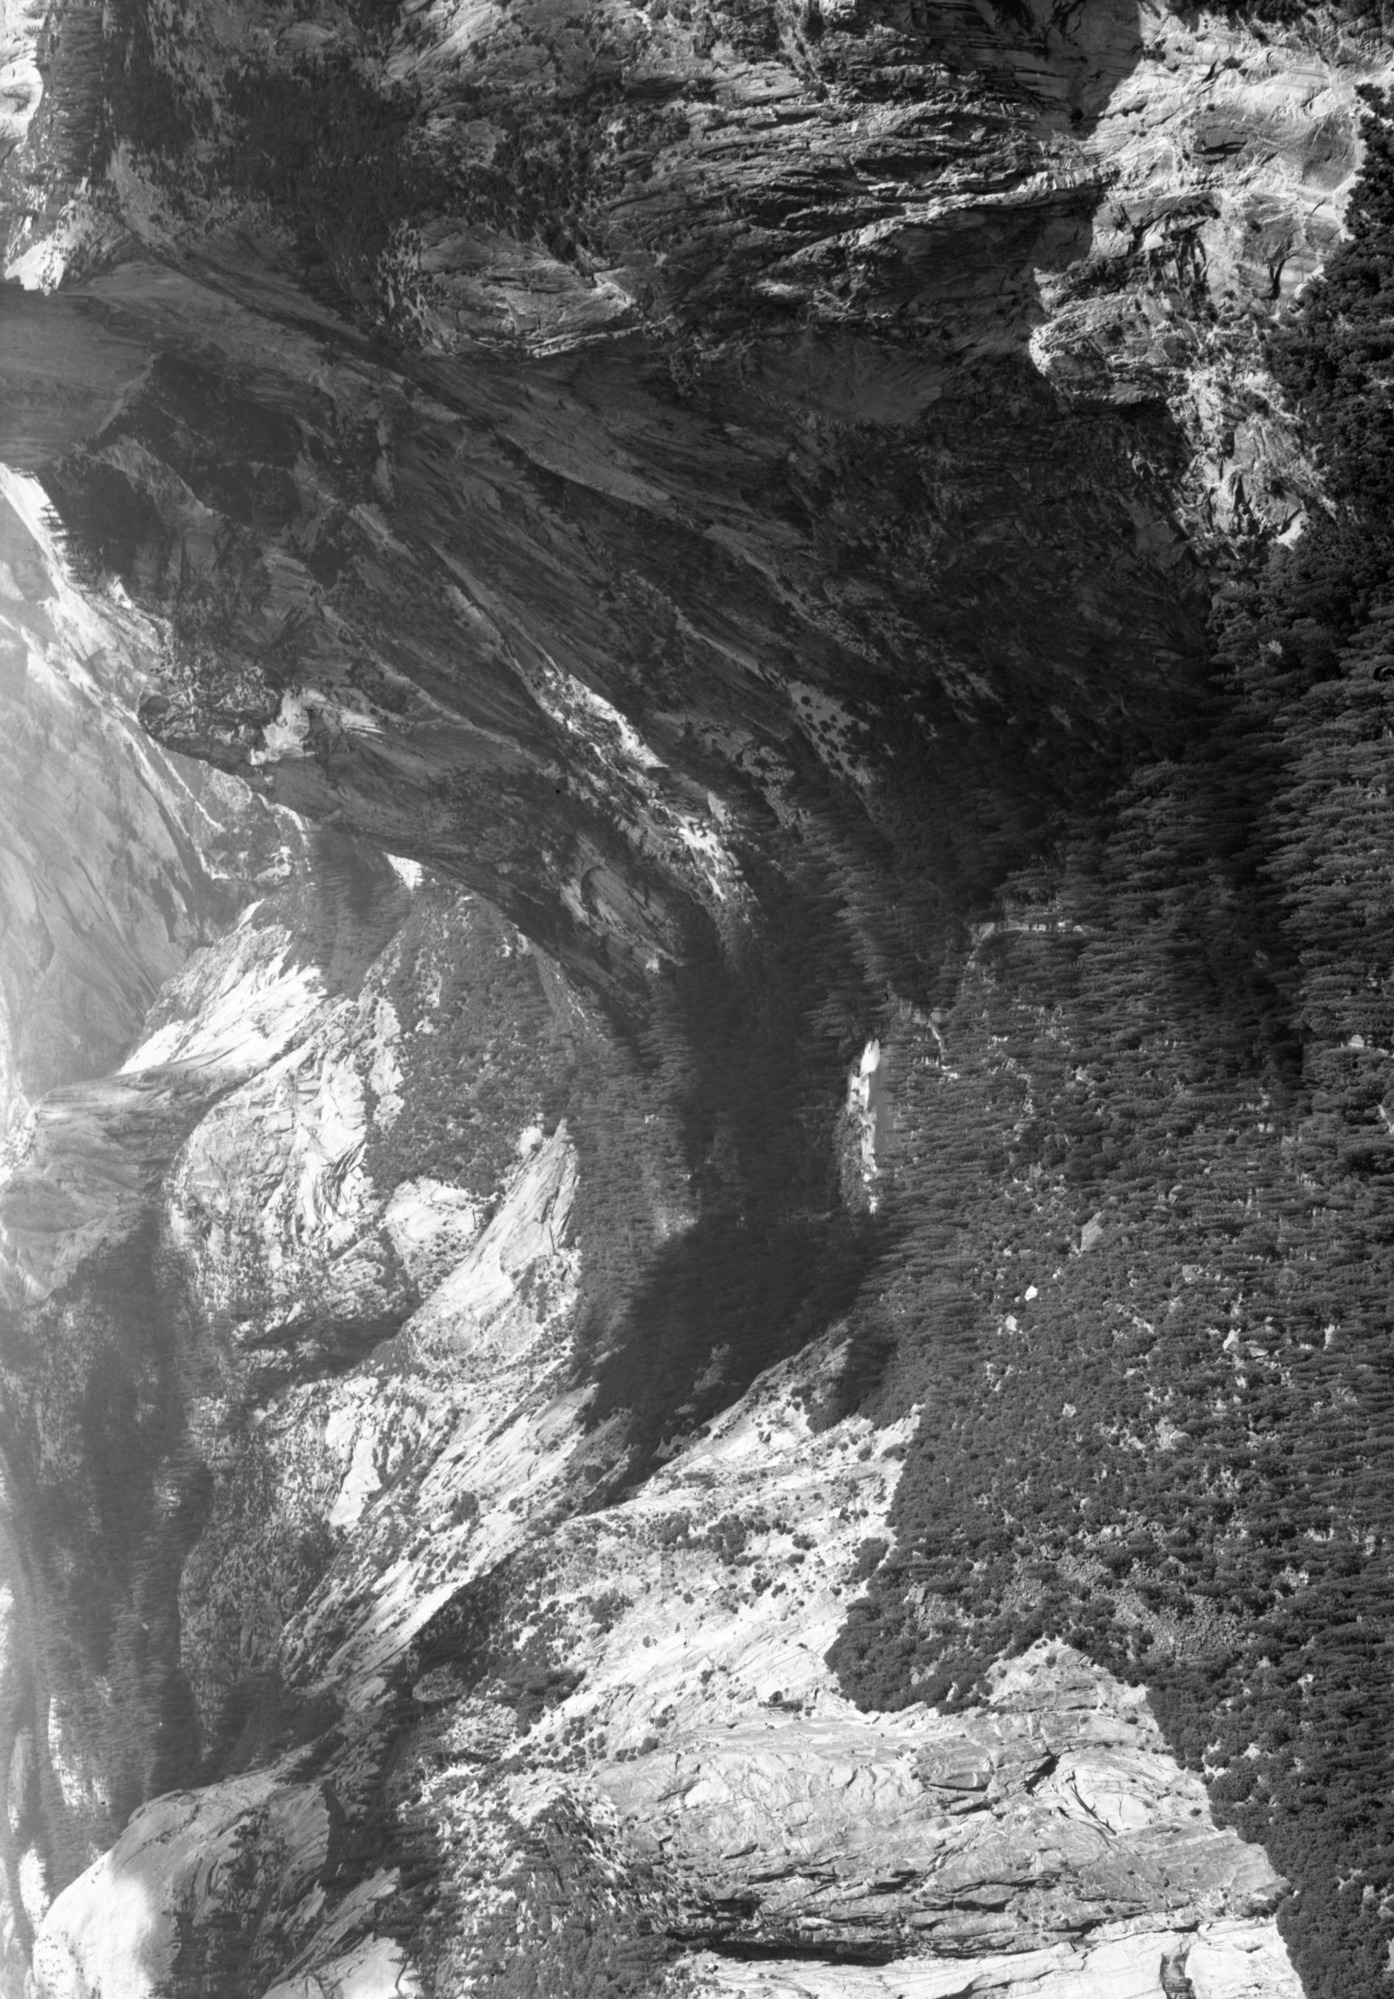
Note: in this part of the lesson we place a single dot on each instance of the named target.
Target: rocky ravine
(617, 1720)
(692, 512)
(753, 468)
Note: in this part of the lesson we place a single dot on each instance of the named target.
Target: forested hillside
(1145, 1179)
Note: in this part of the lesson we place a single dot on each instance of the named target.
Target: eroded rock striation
(920, 302)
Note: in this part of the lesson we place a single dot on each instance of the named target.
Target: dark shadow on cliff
(346, 907)
(955, 631)
(716, 1308)
(981, 679)
(751, 1059)
(63, 363)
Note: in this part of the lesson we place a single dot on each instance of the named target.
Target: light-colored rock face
(455, 1664)
(21, 86)
(434, 1473)
(1050, 1824)
(830, 165)
(1223, 1960)
(81, 1167)
(1226, 156)
(1044, 1838)
(274, 1229)
(115, 859)
(1019, 1821)
(120, 1934)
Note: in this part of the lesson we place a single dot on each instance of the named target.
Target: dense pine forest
(1143, 1174)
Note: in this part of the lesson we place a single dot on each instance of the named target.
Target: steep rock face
(729, 1791)
(877, 278)
(117, 859)
(165, 1229)
(1227, 1960)
(23, 86)
(1226, 157)
(786, 479)
(103, 1495)
(85, 1163)
(890, 302)
(417, 1653)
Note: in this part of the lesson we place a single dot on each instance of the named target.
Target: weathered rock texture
(409, 1649)
(885, 312)
(693, 510)
(117, 859)
(706, 484)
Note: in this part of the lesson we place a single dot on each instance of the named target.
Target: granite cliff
(450, 1718)
(118, 860)
(621, 531)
